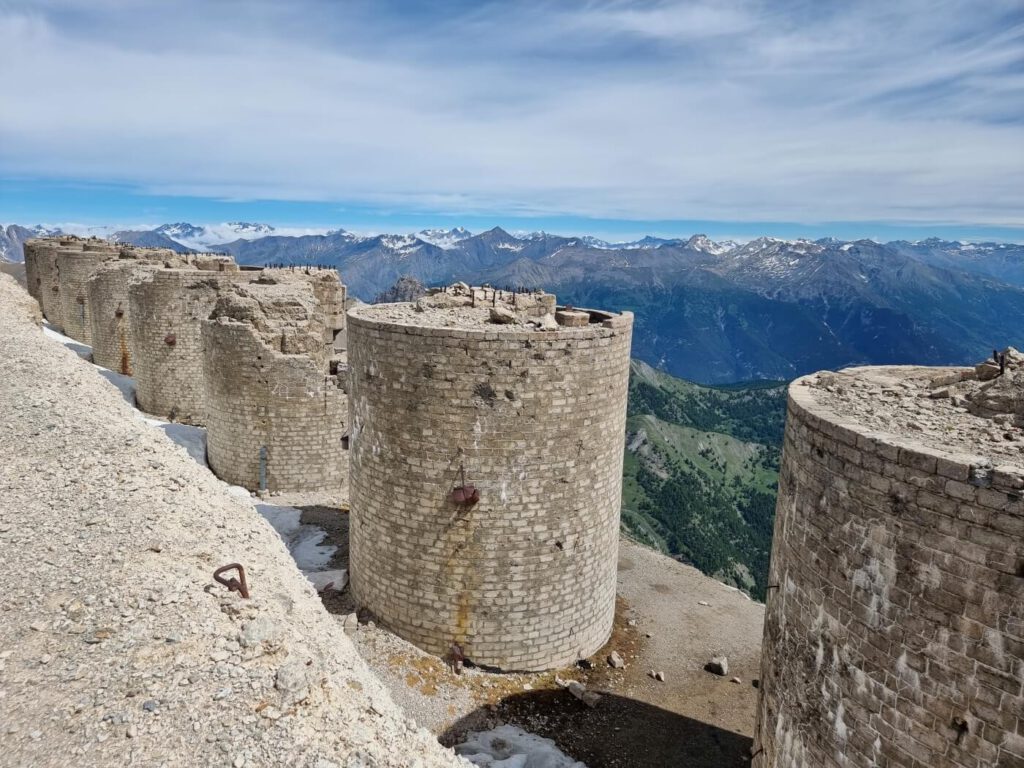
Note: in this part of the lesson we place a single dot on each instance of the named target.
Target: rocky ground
(670, 618)
(116, 645)
(976, 411)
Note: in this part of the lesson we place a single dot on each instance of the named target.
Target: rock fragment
(719, 665)
(502, 316)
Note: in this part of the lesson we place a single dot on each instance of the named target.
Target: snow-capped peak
(180, 229)
(444, 238)
(704, 244)
(401, 244)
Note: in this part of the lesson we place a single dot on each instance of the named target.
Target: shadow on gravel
(334, 522)
(618, 733)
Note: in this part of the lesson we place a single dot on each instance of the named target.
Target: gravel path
(116, 646)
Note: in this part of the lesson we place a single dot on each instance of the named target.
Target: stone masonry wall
(74, 268)
(166, 311)
(109, 314)
(894, 630)
(48, 279)
(33, 250)
(273, 391)
(525, 579)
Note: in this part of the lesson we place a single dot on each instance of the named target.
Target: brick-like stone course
(524, 579)
(894, 629)
(33, 250)
(166, 311)
(274, 390)
(74, 268)
(107, 296)
(48, 276)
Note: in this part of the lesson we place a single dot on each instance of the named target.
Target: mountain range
(712, 312)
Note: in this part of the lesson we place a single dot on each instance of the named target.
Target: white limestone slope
(116, 645)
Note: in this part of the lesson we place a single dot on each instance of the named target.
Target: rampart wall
(74, 268)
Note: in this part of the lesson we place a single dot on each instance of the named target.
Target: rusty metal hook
(238, 585)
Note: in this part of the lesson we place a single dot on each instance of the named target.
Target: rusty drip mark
(233, 584)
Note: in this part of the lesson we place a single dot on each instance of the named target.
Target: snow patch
(444, 238)
(508, 746)
(305, 542)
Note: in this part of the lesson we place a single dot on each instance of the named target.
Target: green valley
(701, 471)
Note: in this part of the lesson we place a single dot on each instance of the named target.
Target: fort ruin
(279, 411)
(485, 471)
(107, 299)
(166, 311)
(274, 386)
(74, 268)
(894, 628)
(42, 271)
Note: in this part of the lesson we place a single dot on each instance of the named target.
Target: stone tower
(894, 628)
(486, 469)
(276, 407)
(74, 268)
(42, 272)
(166, 311)
(34, 252)
(107, 300)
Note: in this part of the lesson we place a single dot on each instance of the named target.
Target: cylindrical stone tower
(486, 472)
(34, 252)
(276, 415)
(107, 292)
(74, 268)
(48, 277)
(166, 310)
(894, 628)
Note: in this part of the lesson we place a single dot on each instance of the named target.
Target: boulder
(502, 316)
(986, 371)
(572, 318)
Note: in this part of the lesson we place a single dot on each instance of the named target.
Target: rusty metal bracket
(233, 584)
(465, 495)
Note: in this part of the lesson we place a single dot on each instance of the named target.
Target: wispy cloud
(732, 110)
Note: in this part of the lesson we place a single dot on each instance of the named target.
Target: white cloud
(736, 111)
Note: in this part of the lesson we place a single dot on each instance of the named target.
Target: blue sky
(801, 118)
